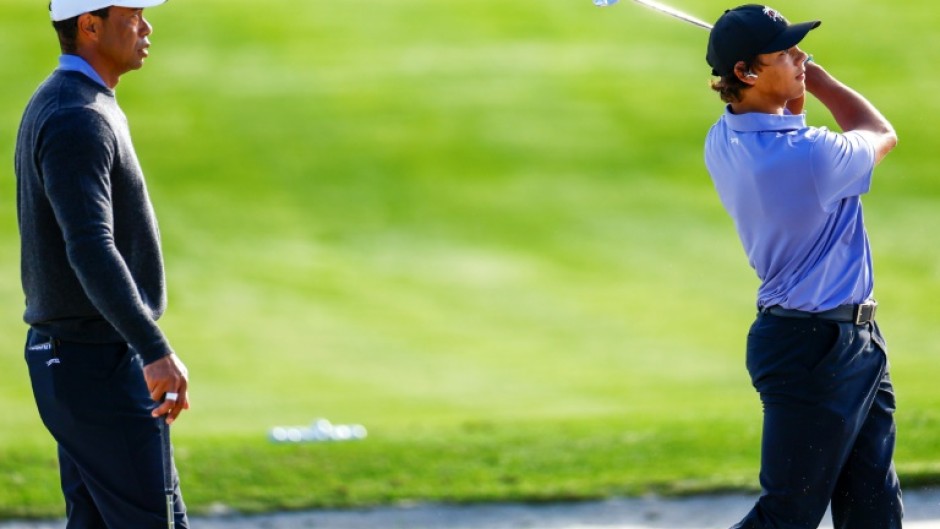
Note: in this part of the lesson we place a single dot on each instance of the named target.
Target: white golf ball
(295, 435)
(359, 431)
(279, 434)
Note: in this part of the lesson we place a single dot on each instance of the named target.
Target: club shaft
(167, 456)
(662, 8)
(170, 515)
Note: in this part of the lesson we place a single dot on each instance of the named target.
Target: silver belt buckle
(866, 312)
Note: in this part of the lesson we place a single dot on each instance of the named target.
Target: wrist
(815, 76)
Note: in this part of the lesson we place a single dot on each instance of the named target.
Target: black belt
(857, 314)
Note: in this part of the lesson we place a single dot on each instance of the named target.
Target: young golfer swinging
(815, 353)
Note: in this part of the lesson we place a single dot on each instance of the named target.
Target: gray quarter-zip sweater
(92, 269)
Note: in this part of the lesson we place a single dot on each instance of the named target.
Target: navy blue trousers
(94, 401)
(829, 430)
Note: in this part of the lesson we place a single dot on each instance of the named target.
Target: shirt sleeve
(77, 152)
(843, 165)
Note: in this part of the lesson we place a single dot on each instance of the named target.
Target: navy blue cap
(746, 31)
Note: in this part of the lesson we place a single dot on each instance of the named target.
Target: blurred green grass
(482, 229)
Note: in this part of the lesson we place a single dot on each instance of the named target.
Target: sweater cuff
(154, 351)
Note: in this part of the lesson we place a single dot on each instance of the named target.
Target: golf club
(167, 472)
(662, 9)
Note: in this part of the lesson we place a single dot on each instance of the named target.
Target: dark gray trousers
(94, 401)
(829, 430)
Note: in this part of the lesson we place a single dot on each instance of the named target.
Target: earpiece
(751, 74)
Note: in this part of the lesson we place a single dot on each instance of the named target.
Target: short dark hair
(729, 87)
(67, 29)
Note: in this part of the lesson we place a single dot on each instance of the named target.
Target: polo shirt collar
(74, 63)
(758, 122)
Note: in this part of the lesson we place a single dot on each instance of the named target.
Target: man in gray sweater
(103, 374)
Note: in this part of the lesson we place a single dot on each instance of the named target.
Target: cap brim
(791, 36)
(137, 3)
(73, 9)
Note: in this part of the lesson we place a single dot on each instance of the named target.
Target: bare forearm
(850, 109)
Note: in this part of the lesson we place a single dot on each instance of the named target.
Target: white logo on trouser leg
(48, 346)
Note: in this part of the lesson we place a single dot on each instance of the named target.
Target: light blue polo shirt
(794, 194)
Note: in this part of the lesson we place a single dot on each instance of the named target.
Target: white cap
(64, 9)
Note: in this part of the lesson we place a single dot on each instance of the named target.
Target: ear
(88, 26)
(743, 74)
